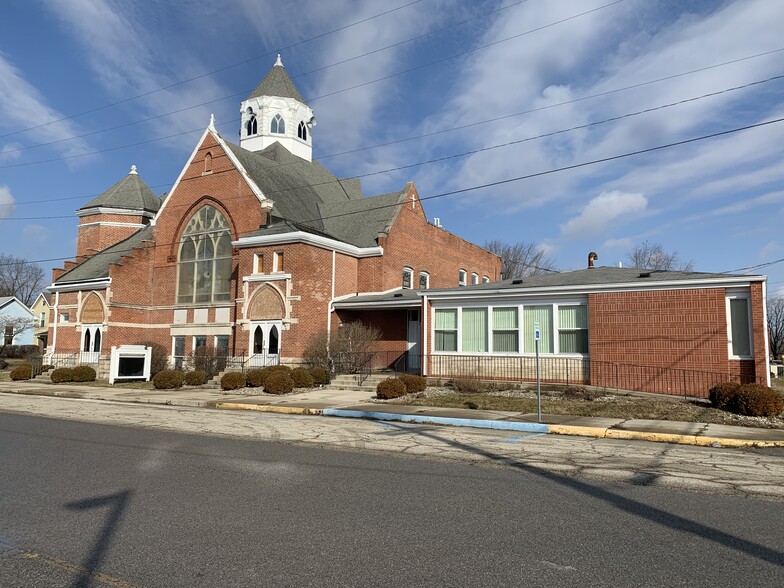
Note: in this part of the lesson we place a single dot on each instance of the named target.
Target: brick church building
(251, 249)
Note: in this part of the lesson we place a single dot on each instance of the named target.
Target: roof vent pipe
(592, 256)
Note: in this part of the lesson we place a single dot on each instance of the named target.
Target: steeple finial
(212, 122)
(133, 170)
(278, 62)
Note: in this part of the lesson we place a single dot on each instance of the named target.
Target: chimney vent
(517, 281)
(592, 256)
(645, 274)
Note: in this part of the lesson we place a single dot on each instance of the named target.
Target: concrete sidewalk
(358, 404)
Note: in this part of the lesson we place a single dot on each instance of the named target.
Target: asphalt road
(96, 505)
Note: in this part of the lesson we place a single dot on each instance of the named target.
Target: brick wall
(95, 238)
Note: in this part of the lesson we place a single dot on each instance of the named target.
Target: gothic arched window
(252, 127)
(278, 125)
(302, 131)
(204, 264)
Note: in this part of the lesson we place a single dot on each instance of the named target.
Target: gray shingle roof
(130, 193)
(397, 297)
(306, 194)
(277, 83)
(97, 266)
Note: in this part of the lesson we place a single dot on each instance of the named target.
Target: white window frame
(276, 262)
(485, 280)
(462, 277)
(258, 263)
(739, 295)
(427, 280)
(474, 278)
(408, 272)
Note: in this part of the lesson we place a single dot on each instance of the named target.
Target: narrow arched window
(278, 125)
(97, 341)
(208, 163)
(87, 340)
(302, 131)
(252, 127)
(204, 266)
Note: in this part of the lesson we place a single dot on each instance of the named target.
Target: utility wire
(483, 149)
(313, 99)
(500, 182)
(224, 68)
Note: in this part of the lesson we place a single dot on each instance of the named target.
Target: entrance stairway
(351, 382)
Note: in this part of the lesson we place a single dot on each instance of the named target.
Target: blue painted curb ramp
(434, 420)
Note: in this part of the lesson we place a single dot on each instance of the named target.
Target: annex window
(446, 329)
(485, 280)
(424, 280)
(252, 126)
(739, 327)
(258, 263)
(302, 131)
(474, 279)
(222, 345)
(65, 317)
(178, 352)
(278, 125)
(204, 268)
(474, 337)
(543, 315)
(505, 330)
(461, 277)
(408, 277)
(199, 342)
(573, 329)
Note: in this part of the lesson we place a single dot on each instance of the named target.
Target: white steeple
(276, 111)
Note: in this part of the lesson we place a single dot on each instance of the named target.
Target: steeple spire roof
(277, 83)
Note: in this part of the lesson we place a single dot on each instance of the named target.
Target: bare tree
(10, 327)
(522, 259)
(653, 256)
(345, 349)
(776, 325)
(20, 278)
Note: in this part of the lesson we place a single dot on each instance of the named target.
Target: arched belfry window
(302, 131)
(278, 125)
(252, 126)
(204, 263)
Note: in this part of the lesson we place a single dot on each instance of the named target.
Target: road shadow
(633, 507)
(116, 503)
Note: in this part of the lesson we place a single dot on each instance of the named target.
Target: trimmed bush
(724, 395)
(196, 378)
(233, 381)
(391, 388)
(301, 378)
(83, 373)
(757, 400)
(22, 372)
(168, 379)
(320, 376)
(413, 383)
(279, 382)
(255, 378)
(61, 375)
(279, 368)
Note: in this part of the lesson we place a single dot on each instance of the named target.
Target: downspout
(425, 348)
(56, 320)
(331, 300)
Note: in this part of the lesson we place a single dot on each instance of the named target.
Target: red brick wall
(684, 331)
(94, 238)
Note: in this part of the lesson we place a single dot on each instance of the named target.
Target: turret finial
(212, 122)
(278, 62)
(133, 170)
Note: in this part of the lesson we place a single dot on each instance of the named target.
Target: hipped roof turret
(130, 193)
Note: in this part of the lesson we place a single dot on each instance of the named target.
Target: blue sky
(430, 80)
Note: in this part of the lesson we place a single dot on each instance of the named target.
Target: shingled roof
(277, 83)
(130, 193)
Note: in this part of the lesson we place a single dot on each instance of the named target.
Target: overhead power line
(315, 98)
(508, 180)
(482, 149)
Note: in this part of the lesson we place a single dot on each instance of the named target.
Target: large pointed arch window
(204, 267)
(278, 125)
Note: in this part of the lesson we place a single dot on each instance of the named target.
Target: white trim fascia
(113, 224)
(96, 284)
(309, 239)
(266, 277)
(740, 281)
(118, 211)
(405, 303)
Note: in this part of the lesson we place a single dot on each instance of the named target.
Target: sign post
(537, 337)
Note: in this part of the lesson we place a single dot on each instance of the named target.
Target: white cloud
(771, 249)
(7, 202)
(605, 211)
(35, 231)
(10, 151)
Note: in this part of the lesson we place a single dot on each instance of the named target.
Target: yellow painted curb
(267, 408)
(650, 436)
(599, 432)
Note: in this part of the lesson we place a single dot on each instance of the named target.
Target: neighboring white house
(12, 308)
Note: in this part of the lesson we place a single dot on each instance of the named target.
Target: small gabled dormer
(276, 111)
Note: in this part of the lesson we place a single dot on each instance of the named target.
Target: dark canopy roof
(130, 193)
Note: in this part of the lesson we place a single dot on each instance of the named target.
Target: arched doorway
(265, 343)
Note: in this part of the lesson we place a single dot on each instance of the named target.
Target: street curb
(416, 418)
(268, 408)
